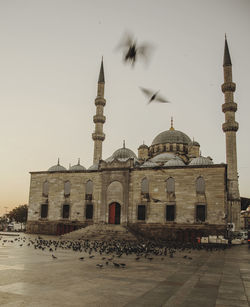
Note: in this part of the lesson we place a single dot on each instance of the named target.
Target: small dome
(149, 164)
(174, 162)
(124, 153)
(77, 167)
(94, 167)
(143, 146)
(57, 168)
(201, 161)
(171, 136)
(194, 143)
(164, 157)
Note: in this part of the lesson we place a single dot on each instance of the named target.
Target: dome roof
(175, 162)
(201, 161)
(123, 153)
(94, 167)
(149, 164)
(171, 136)
(57, 168)
(143, 146)
(77, 167)
(194, 143)
(164, 157)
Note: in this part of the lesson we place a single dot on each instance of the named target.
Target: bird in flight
(132, 51)
(153, 96)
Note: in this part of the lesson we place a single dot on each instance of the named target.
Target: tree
(19, 214)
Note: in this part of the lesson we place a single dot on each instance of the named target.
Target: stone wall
(124, 186)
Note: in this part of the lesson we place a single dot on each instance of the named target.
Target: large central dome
(171, 136)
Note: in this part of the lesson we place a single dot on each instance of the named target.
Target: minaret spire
(99, 119)
(227, 58)
(101, 74)
(230, 128)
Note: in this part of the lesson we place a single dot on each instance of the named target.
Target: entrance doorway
(114, 213)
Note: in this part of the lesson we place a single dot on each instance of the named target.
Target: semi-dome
(201, 161)
(57, 168)
(149, 164)
(171, 136)
(94, 167)
(124, 153)
(164, 157)
(175, 162)
(77, 167)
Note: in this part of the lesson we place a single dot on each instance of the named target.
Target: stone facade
(168, 191)
(121, 183)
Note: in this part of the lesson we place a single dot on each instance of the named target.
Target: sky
(50, 56)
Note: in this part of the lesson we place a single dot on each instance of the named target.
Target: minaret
(99, 119)
(230, 128)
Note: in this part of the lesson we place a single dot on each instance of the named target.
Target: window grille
(170, 212)
(141, 213)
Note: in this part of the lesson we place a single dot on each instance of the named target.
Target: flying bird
(132, 51)
(153, 96)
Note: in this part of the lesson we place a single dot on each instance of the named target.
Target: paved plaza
(32, 277)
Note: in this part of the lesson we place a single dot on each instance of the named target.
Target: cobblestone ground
(32, 277)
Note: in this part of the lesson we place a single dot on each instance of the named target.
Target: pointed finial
(123, 143)
(78, 161)
(58, 161)
(172, 124)
(226, 58)
(101, 74)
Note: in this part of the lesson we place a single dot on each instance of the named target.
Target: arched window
(44, 211)
(65, 212)
(170, 185)
(89, 190)
(200, 185)
(45, 188)
(67, 187)
(144, 186)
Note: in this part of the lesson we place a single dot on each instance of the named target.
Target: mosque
(167, 189)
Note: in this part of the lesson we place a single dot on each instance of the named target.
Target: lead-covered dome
(77, 167)
(171, 136)
(57, 168)
(124, 153)
(175, 162)
(164, 157)
(201, 161)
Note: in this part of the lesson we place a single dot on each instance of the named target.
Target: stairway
(101, 232)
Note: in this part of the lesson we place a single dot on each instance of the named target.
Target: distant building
(167, 190)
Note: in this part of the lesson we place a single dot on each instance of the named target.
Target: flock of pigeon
(111, 252)
(131, 53)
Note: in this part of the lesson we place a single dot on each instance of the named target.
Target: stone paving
(31, 277)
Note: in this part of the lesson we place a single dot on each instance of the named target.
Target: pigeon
(54, 257)
(132, 51)
(153, 96)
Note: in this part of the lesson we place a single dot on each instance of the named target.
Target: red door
(112, 213)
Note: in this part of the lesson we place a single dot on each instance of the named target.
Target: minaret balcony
(98, 136)
(99, 101)
(228, 87)
(99, 119)
(229, 106)
(231, 126)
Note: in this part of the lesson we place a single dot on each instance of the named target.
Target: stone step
(101, 232)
